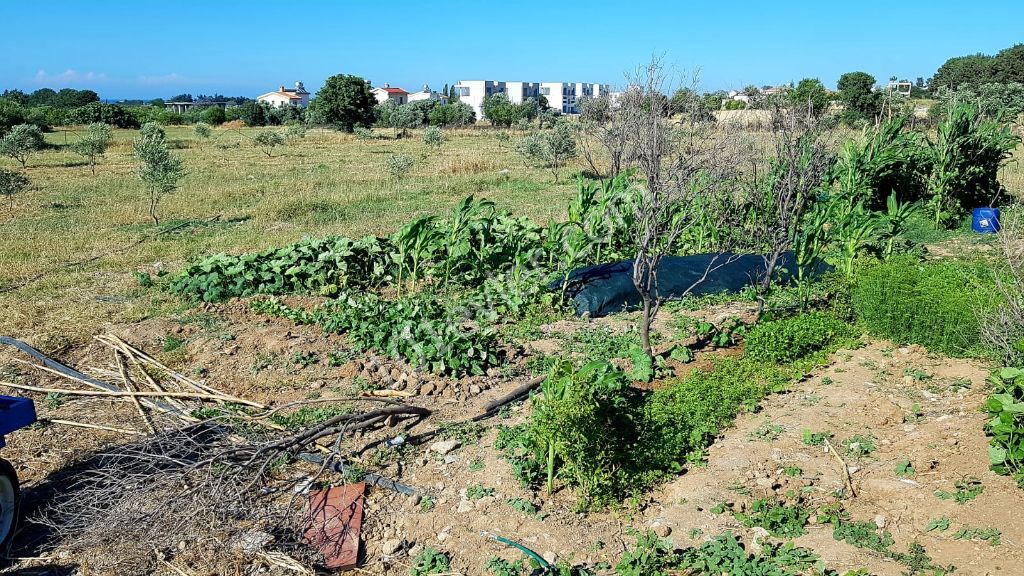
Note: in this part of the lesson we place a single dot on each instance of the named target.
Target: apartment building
(519, 92)
(473, 92)
(561, 96)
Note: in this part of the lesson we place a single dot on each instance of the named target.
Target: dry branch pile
(219, 493)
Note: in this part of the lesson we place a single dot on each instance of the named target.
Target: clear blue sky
(147, 49)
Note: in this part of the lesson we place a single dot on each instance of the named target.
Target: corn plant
(966, 156)
(854, 229)
(894, 222)
(415, 243)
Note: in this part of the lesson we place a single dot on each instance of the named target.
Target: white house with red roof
(386, 93)
(282, 97)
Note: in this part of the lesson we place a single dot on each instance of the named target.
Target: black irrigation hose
(71, 372)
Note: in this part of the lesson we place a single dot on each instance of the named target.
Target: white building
(297, 96)
(519, 92)
(386, 92)
(561, 96)
(427, 94)
(473, 92)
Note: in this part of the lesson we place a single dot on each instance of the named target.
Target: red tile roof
(394, 90)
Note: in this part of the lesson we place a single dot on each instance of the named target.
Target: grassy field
(326, 183)
(87, 235)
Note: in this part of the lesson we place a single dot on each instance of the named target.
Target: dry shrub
(233, 125)
(1002, 327)
(183, 496)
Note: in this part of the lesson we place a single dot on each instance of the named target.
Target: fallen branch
(92, 426)
(514, 395)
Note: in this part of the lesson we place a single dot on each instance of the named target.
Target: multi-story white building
(473, 92)
(519, 92)
(561, 96)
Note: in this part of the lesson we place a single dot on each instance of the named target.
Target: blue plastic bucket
(985, 220)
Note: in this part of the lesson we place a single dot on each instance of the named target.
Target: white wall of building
(473, 92)
(519, 92)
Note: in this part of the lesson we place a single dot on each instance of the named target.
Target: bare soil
(914, 406)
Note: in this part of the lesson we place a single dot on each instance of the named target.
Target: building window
(545, 91)
(462, 91)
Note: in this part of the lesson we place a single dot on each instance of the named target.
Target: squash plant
(1006, 423)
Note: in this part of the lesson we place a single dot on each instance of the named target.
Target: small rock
(443, 534)
(415, 550)
(880, 521)
(252, 541)
(444, 446)
(395, 373)
(391, 546)
(662, 530)
(451, 459)
(415, 499)
(474, 390)
(464, 506)
(853, 469)
(484, 502)
(755, 543)
(549, 556)
(427, 389)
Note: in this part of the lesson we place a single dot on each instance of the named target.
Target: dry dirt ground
(912, 406)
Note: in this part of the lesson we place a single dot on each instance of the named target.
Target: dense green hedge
(934, 304)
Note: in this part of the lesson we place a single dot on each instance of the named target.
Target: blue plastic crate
(15, 413)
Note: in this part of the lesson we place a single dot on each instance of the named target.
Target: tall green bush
(934, 304)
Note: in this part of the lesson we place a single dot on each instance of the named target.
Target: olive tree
(601, 127)
(267, 140)
(12, 183)
(552, 147)
(158, 169)
(433, 137)
(93, 144)
(202, 129)
(21, 142)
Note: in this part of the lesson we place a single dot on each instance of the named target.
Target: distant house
(427, 94)
(387, 93)
(297, 96)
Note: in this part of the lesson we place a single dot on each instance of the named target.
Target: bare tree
(1002, 327)
(687, 183)
(785, 185)
(602, 130)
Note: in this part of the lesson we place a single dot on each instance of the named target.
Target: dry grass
(327, 183)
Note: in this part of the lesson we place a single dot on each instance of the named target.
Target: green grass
(326, 183)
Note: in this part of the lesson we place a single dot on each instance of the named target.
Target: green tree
(214, 115)
(158, 169)
(21, 142)
(12, 183)
(202, 130)
(552, 147)
(810, 94)
(152, 130)
(345, 101)
(856, 91)
(266, 140)
(1008, 65)
(452, 114)
(93, 144)
(497, 109)
(963, 70)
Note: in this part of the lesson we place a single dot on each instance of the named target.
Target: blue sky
(145, 49)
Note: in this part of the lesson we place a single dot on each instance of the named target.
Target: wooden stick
(93, 426)
(59, 373)
(173, 374)
(514, 395)
(846, 469)
(141, 367)
(193, 395)
(128, 386)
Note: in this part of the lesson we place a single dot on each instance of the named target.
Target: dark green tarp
(606, 288)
